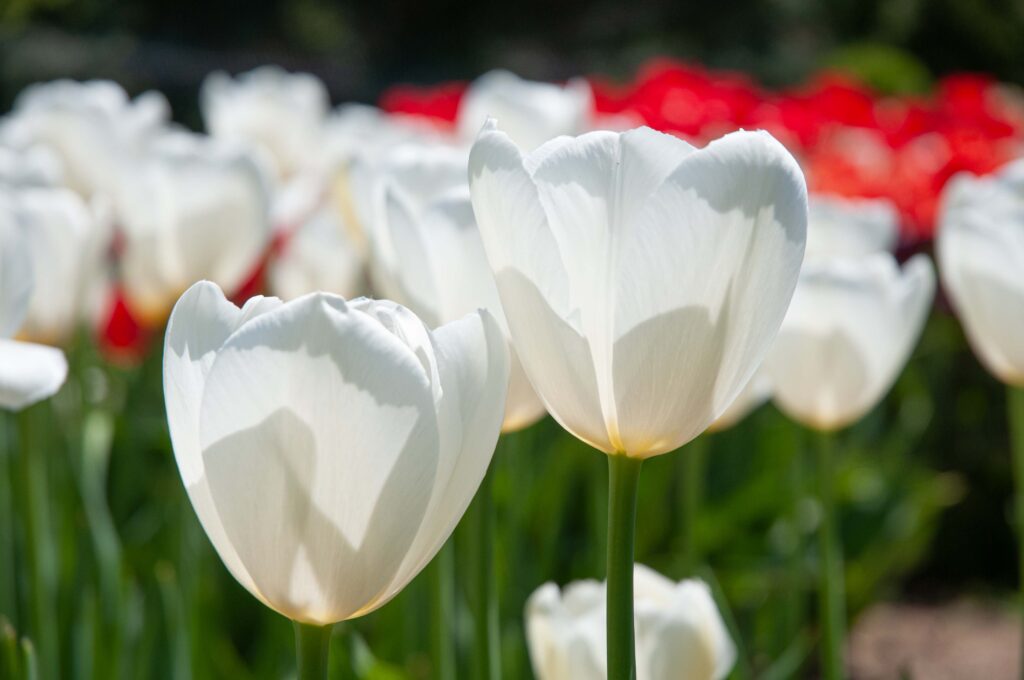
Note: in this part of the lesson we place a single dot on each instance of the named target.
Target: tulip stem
(487, 650)
(442, 581)
(1015, 406)
(831, 592)
(312, 645)
(623, 485)
(693, 457)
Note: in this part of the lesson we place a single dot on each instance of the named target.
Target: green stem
(693, 457)
(39, 542)
(8, 564)
(1015, 407)
(442, 581)
(487, 650)
(831, 592)
(312, 644)
(623, 485)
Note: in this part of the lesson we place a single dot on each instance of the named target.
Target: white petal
(29, 373)
(850, 227)
(704, 272)
(534, 287)
(200, 323)
(472, 361)
(757, 392)
(320, 442)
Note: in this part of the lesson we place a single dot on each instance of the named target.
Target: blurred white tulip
(279, 112)
(981, 259)
(28, 372)
(849, 331)
(92, 126)
(34, 166)
(67, 243)
(420, 173)
(193, 209)
(440, 271)
(756, 393)
(850, 227)
(318, 255)
(680, 634)
(643, 279)
(530, 112)
(328, 447)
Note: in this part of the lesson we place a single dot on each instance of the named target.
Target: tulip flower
(194, 208)
(530, 112)
(67, 242)
(850, 227)
(92, 126)
(328, 447)
(319, 255)
(849, 331)
(981, 257)
(30, 167)
(28, 372)
(981, 254)
(279, 112)
(643, 281)
(680, 634)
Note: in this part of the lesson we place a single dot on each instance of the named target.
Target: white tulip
(756, 393)
(279, 112)
(67, 244)
(530, 112)
(680, 634)
(850, 227)
(643, 279)
(849, 331)
(192, 209)
(981, 257)
(28, 372)
(92, 126)
(329, 447)
(420, 173)
(440, 271)
(318, 255)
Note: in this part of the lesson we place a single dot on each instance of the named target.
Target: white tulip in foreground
(328, 447)
(282, 113)
(530, 112)
(67, 244)
(92, 126)
(981, 259)
(850, 329)
(643, 281)
(28, 372)
(441, 272)
(193, 208)
(680, 634)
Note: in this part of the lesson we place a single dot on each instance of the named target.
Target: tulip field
(674, 376)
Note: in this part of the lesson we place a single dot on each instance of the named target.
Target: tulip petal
(719, 243)
(472, 362)
(200, 323)
(29, 373)
(534, 288)
(321, 526)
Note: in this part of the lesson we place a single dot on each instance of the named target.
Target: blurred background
(925, 480)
